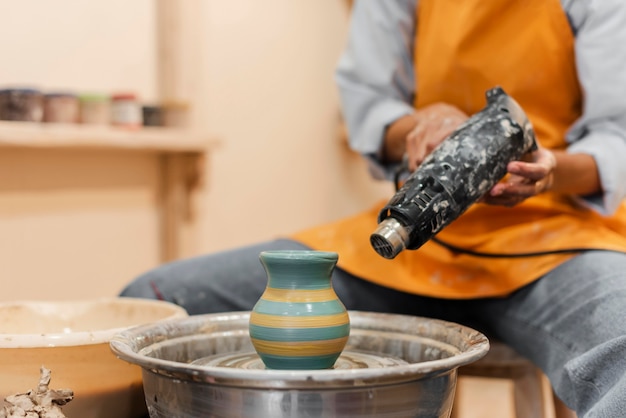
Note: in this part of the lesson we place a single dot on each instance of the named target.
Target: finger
(532, 171)
(420, 147)
(434, 125)
(412, 141)
(524, 189)
(444, 132)
(508, 181)
(520, 190)
(435, 132)
(435, 139)
(428, 139)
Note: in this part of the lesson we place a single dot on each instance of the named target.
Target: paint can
(61, 108)
(94, 109)
(126, 110)
(175, 113)
(21, 104)
(152, 115)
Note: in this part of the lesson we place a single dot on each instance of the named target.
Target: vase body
(299, 323)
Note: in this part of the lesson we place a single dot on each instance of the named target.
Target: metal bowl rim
(120, 346)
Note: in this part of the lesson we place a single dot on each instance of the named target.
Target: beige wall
(79, 45)
(74, 223)
(80, 224)
(269, 93)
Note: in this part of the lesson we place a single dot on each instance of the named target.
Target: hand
(434, 123)
(525, 179)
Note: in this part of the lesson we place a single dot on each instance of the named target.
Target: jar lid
(175, 104)
(124, 96)
(152, 107)
(27, 91)
(93, 97)
(55, 95)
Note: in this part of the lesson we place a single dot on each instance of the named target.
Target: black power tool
(465, 166)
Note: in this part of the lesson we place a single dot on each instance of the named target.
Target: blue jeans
(571, 322)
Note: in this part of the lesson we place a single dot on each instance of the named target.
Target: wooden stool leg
(528, 394)
(456, 407)
(560, 410)
(531, 389)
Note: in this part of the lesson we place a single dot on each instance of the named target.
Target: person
(540, 262)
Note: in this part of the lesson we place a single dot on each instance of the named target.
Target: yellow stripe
(299, 296)
(300, 349)
(279, 321)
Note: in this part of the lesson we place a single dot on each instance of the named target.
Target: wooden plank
(41, 135)
(179, 46)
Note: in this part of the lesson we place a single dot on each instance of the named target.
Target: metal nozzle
(390, 238)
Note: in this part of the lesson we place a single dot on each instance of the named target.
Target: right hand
(527, 178)
(434, 123)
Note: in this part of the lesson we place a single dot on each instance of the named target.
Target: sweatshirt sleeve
(375, 75)
(600, 28)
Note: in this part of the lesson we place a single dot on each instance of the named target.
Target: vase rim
(299, 254)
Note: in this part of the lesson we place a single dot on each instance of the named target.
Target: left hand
(527, 178)
(433, 124)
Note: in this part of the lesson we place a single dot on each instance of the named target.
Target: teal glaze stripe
(304, 362)
(299, 334)
(330, 307)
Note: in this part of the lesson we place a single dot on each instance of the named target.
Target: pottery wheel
(347, 360)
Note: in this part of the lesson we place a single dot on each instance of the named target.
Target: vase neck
(298, 281)
(307, 270)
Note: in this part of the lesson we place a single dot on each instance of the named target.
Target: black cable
(512, 255)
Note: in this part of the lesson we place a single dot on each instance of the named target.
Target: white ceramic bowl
(71, 339)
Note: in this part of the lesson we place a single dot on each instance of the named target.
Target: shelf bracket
(182, 176)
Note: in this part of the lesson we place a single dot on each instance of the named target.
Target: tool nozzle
(390, 238)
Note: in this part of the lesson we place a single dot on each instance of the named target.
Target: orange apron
(462, 49)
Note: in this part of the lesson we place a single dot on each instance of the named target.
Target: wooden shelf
(42, 135)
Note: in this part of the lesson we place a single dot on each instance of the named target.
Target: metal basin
(393, 366)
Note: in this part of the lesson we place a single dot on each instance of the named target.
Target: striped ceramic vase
(299, 323)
